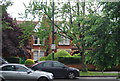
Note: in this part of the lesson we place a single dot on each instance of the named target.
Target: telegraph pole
(53, 45)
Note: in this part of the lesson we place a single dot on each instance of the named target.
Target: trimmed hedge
(13, 60)
(29, 62)
(70, 60)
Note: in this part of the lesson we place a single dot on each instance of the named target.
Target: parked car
(18, 72)
(58, 69)
(2, 61)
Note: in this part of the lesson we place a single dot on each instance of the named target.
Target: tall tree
(10, 36)
(72, 24)
(105, 32)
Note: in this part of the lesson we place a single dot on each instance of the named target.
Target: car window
(58, 64)
(37, 66)
(21, 68)
(47, 64)
(8, 68)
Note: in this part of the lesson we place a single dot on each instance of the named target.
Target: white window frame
(39, 54)
(38, 41)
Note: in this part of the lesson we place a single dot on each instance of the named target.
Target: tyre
(43, 79)
(2, 80)
(71, 75)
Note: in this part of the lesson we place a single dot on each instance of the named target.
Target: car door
(47, 66)
(9, 73)
(23, 74)
(59, 69)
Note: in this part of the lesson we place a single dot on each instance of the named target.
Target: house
(43, 48)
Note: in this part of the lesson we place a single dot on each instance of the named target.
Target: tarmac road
(90, 79)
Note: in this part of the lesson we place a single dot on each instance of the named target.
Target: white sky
(17, 7)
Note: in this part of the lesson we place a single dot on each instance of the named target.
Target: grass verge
(90, 73)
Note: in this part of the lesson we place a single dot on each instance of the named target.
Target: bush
(29, 62)
(42, 59)
(70, 60)
(13, 60)
(61, 53)
(49, 57)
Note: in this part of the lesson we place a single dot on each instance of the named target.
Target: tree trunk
(84, 67)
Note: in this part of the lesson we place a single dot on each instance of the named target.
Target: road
(87, 79)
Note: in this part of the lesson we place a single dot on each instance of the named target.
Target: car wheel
(43, 79)
(2, 80)
(71, 75)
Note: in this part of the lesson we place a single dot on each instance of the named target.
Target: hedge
(13, 59)
(70, 60)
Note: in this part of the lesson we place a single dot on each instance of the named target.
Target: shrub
(29, 62)
(42, 59)
(70, 60)
(13, 59)
(61, 53)
(49, 57)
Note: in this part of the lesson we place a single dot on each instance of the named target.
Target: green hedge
(70, 60)
(29, 62)
(13, 59)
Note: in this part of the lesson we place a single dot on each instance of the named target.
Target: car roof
(11, 64)
(42, 62)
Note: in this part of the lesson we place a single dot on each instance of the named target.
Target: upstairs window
(36, 40)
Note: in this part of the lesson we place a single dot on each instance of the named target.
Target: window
(37, 41)
(20, 68)
(8, 68)
(41, 53)
(38, 54)
(64, 41)
(47, 64)
(58, 64)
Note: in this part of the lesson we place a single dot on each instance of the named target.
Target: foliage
(70, 60)
(10, 35)
(49, 57)
(61, 53)
(105, 44)
(98, 31)
(13, 59)
(29, 62)
(42, 58)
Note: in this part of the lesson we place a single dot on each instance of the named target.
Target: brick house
(39, 48)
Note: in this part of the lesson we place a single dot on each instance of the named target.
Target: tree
(104, 30)
(74, 22)
(10, 36)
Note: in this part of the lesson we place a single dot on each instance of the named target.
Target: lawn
(90, 73)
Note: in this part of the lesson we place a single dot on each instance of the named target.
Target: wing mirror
(28, 72)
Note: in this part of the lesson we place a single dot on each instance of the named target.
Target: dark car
(58, 69)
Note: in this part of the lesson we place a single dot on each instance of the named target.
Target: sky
(17, 7)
